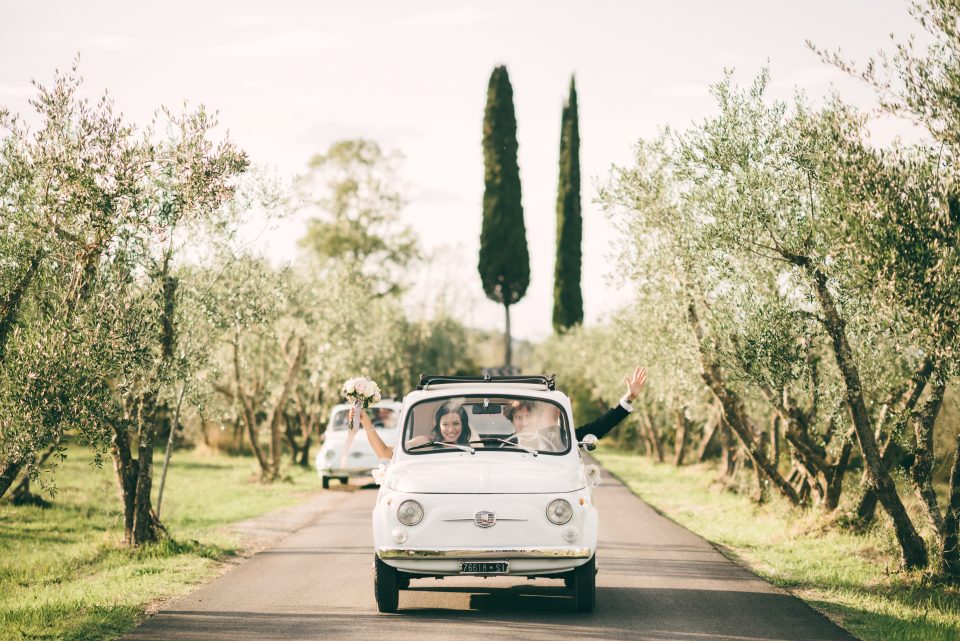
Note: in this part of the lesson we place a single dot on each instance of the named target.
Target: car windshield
(503, 423)
(381, 417)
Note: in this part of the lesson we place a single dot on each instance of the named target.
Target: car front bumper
(528, 562)
(334, 472)
(557, 552)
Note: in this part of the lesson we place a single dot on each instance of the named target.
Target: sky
(290, 78)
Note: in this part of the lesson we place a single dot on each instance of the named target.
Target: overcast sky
(289, 78)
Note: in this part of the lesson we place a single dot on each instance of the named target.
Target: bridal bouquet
(362, 391)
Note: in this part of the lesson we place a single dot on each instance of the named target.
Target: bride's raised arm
(381, 449)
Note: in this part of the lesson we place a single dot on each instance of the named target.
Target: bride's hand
(364, 419)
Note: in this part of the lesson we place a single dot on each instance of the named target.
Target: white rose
(376, 397)
(350, 387)
(360, 386)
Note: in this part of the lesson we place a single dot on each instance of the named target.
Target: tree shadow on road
(660, 614)
(529, 612)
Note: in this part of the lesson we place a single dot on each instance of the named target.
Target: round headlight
(411, 512)
(559, 511)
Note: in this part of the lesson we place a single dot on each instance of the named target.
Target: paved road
(657, 581)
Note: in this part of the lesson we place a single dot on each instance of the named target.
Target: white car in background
(516, 499)
(361, 460)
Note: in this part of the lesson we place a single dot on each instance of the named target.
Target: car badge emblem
(484, 519)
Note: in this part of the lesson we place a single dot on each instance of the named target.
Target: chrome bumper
(346, 471)
(487, 553)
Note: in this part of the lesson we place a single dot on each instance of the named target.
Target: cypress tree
(504, 259)
(567, 297)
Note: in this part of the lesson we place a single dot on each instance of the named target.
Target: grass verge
(850, 578)
(64, 573)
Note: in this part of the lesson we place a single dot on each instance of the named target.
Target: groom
(618, 412)
(521, 412)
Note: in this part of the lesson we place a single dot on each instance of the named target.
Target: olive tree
(765, 177)
(751, 226)
(921, 83)
(354, 193)
(96, 207)
(664, 255)
(64, 194)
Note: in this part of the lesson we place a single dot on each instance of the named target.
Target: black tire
(404, 583)
(344, 480)
(585, 586)
(386, 586)
(568, 581)
(326, 482)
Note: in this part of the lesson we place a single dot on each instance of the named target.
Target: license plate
(499, 567)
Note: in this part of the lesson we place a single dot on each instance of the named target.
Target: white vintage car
(507, 494)
(361, 459)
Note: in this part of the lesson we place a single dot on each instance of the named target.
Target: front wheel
(326, 482)
(585, 586)
(386, 586)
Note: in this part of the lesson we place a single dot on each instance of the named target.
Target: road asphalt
(656, 581)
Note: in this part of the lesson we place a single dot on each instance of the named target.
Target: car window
(502, 423)
(381, 417)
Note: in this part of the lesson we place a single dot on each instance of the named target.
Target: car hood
(466, 474)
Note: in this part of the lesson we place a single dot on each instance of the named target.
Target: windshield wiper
(444, 443)
(528, 450)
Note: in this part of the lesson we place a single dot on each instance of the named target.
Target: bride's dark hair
(451, 407)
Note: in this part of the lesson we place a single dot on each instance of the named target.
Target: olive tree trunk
(277, 419)
(680, 439)
(247, 410)
(652, 435)
(890, 451)
(135, 476)
(10, 305)
(8, 474)
(912, 547)
(710, 430)
(951, 521)
(735, 413)
(921, 472)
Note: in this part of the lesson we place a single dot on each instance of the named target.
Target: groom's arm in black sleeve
(605, 423)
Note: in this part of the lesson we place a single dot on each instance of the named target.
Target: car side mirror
(589, 442)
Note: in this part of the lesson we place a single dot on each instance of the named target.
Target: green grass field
(851, 578)
(64, 573)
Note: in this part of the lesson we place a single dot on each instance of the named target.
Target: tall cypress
(567, 297)
(504, 259)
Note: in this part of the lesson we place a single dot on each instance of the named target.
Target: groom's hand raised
(635, 383)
